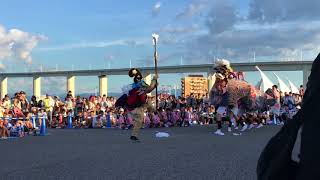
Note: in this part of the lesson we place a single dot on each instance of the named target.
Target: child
(176, 117)
(129, 121)
(17, 130)
(146, 120)
(188, 117)
(4, 132)
(121, 119)
(112, 117)
(170, 121)
(195, 116)
(103, 118)
(156, 120)
(97, 121)
(163, 118)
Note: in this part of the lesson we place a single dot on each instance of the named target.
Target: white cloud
(156, 9)
(197, 7)
(284, 10)
(18, 44)
(275, 30)
(180, 30)
(100, 44)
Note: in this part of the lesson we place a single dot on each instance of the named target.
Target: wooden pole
(156, 68)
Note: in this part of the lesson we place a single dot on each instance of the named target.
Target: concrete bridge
(102, 74)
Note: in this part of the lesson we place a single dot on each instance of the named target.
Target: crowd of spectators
(16, 113)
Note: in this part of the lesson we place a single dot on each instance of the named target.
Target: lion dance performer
(227, 93)
(135, 99)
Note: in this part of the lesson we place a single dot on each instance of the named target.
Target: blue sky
(104, 33)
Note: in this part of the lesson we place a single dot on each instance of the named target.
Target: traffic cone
(70, 122)
(43, 128)
(34, 125)
(108, 123)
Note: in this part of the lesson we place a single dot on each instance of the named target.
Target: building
(194, 84)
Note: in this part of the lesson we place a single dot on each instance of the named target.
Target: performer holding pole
(135, 96)
(137, 100)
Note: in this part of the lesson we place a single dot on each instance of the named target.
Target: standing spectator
(24, 104)
(104, 103)
(48, 106)
(33, 102)
(69, 104)
(7, 102)
(69, 95)
(301, 90)
(79, 105)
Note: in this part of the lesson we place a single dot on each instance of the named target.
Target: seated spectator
(121, 119)
(4, 132)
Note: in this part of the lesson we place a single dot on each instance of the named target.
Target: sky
(47, 35)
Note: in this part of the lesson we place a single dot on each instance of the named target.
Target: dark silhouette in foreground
(275, 161)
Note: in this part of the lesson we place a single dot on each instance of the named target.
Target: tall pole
(155, 38)
(156, 70)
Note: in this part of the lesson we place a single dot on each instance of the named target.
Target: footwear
(134, 138)
(229, 129)
(245, 127)
(251, 126)
(219, 132)
(259, 126)
(236, 128)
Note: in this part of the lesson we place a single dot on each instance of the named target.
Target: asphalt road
(189, 153)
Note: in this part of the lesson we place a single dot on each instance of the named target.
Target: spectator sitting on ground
(4, 132)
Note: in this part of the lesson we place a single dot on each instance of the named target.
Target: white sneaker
(251, 126)
(229, 129)
(236, 127)
(245, 127)
(259, 126)
(219, 132)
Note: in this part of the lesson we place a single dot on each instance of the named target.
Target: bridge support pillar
(71, 84)
(103, 85)
(306, 73)
(37, 86)
(4, 87)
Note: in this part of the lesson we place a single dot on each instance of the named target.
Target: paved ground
(189, 153)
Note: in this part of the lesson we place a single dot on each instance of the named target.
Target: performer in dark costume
(135, 100)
